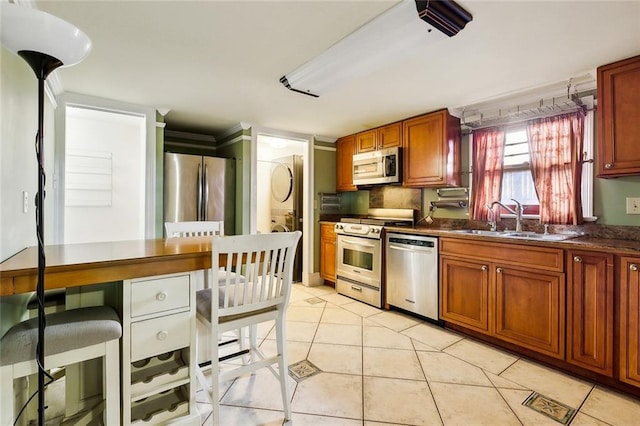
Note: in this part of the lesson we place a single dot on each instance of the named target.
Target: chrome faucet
(491, 217)
(517, 212)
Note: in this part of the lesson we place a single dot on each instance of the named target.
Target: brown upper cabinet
(431, 150)
(388, 136)
(345, 148)
(619, 118)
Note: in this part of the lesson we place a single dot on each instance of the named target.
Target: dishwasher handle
(411, 248)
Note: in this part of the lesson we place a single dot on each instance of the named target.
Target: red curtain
(488, 150)
(555, 146)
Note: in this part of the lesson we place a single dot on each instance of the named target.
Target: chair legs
(283, 366)
(111, 383)
(281, 374)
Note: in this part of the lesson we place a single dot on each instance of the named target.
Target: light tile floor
(387, 368)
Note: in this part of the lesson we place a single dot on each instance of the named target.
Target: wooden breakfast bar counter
(154, 282)
(73, 265)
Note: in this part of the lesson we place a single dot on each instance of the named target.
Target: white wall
(119, 210)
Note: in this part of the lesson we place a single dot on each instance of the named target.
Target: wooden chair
(194, 229)
(71, 336)
(199, 229)
(266, 262)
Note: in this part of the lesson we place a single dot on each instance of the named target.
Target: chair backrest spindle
(194, 228)
(266, 263)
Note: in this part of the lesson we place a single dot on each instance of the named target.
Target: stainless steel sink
(517, 235)
(535, 236)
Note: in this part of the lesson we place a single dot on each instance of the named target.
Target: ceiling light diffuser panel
(384, 40)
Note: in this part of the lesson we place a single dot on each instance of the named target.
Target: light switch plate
(25, 201)
(633, 205)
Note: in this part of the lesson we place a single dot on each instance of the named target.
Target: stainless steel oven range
(359, 246)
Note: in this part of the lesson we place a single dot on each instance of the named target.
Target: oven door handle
(355, 243)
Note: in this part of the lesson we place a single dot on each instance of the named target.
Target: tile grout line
(579, 407)
(433, 398)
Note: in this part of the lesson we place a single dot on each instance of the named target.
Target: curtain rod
(491, 122)
(522, 113)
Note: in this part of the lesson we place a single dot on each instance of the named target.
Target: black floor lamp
(45, 42)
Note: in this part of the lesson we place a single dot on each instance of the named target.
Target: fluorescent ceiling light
(387, 38)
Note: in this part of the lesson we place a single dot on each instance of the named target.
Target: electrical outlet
(633, 205)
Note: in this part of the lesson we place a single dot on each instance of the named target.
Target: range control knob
(375, 231)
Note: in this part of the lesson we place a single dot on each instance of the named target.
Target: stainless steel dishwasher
(412, 274)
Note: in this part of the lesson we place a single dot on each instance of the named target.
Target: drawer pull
(356, 288)
(633, 267)
(162, 296)
(499, 270)
(484, 267)
(577, 259)
(608, 165)
(162, 335)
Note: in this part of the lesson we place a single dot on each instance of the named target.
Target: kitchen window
(505, 167)
(517, 181)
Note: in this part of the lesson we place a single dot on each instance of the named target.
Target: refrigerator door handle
(199, 200)
(205, 210)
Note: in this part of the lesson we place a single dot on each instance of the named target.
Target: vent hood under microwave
(377, 167)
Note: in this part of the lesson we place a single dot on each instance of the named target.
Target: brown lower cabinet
(590, 305)
(630, 320)
(511, 292)
(464, 294)
(517, 295)
(530, 309)
(327, 252)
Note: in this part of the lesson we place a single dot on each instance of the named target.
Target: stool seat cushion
(203, 306)
(64, 331)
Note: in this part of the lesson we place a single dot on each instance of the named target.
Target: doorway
(281, 191)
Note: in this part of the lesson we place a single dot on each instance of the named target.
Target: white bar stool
(71, 336)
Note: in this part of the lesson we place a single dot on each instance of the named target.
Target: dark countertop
(586, 242)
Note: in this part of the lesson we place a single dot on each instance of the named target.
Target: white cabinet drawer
(159, 295)
(159, 335)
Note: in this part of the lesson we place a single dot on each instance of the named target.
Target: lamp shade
(26, 29)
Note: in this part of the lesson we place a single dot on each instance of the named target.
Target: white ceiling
(217, 63)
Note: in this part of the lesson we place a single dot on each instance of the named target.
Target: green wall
(18, 169)
(238, 146)
(324, 180)
(610, 205)
(159, 226)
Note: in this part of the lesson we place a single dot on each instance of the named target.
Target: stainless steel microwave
(374, 167)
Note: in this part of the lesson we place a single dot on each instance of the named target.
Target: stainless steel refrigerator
(199, 188)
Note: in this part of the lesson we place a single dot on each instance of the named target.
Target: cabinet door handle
(484, 267)
(633, 267)
(499, 270)
(162, 335)
(577, 259)
(608, 165)
(162, 296)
